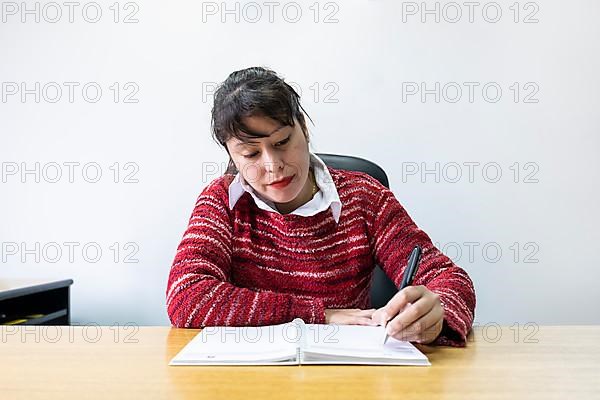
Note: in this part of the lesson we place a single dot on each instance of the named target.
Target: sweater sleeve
(199, 288)
(394, 235)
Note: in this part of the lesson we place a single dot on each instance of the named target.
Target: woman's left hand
(415, 314)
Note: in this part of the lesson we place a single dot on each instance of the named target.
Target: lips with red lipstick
(281, 183)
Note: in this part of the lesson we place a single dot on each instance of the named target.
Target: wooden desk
(127, 362)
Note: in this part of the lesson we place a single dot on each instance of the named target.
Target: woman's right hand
(350, 316)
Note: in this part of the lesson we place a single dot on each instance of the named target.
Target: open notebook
(297, 343)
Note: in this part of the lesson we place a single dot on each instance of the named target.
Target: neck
(306, 194)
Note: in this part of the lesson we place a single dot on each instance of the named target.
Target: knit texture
(251, 267)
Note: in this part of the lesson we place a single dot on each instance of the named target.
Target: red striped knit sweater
(251, 267)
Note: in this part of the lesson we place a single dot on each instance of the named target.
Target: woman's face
(275, 166)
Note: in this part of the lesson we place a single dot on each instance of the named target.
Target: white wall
(366, 62)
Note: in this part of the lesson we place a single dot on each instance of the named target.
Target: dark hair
(254, 91)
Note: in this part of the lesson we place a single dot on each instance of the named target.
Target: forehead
(263, 127)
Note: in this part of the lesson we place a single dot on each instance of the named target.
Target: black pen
(409, 275)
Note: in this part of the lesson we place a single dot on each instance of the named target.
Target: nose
(272, 161)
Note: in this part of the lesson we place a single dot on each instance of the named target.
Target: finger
(366, 321)
(423, 327)
(431, 333)
(381, 317)
(366, 313)
(428, 335)
(409, 294)
(410, 314)
(377, 314)
(386, 318)
(354, 316)
(353, 320)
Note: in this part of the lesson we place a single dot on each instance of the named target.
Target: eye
(251, 155)
(284, 141)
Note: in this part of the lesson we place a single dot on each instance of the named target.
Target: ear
(306, 136)
(232, 166)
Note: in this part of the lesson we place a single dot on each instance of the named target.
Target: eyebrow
(249, 142)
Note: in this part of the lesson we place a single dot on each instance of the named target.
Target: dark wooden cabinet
(35, 302)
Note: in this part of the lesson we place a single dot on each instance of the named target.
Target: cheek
(299, 156)
(251, 171)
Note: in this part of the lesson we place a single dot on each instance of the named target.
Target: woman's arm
(394, 234)
(199, 290)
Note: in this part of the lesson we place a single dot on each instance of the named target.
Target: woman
(281, 236)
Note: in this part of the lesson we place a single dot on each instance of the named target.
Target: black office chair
(382, 287)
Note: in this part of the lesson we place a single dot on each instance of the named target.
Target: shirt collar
(326, 197)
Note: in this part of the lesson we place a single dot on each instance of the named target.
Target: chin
(283, 196)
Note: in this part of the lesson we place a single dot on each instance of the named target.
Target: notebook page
(354, 341)
(241, 345)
